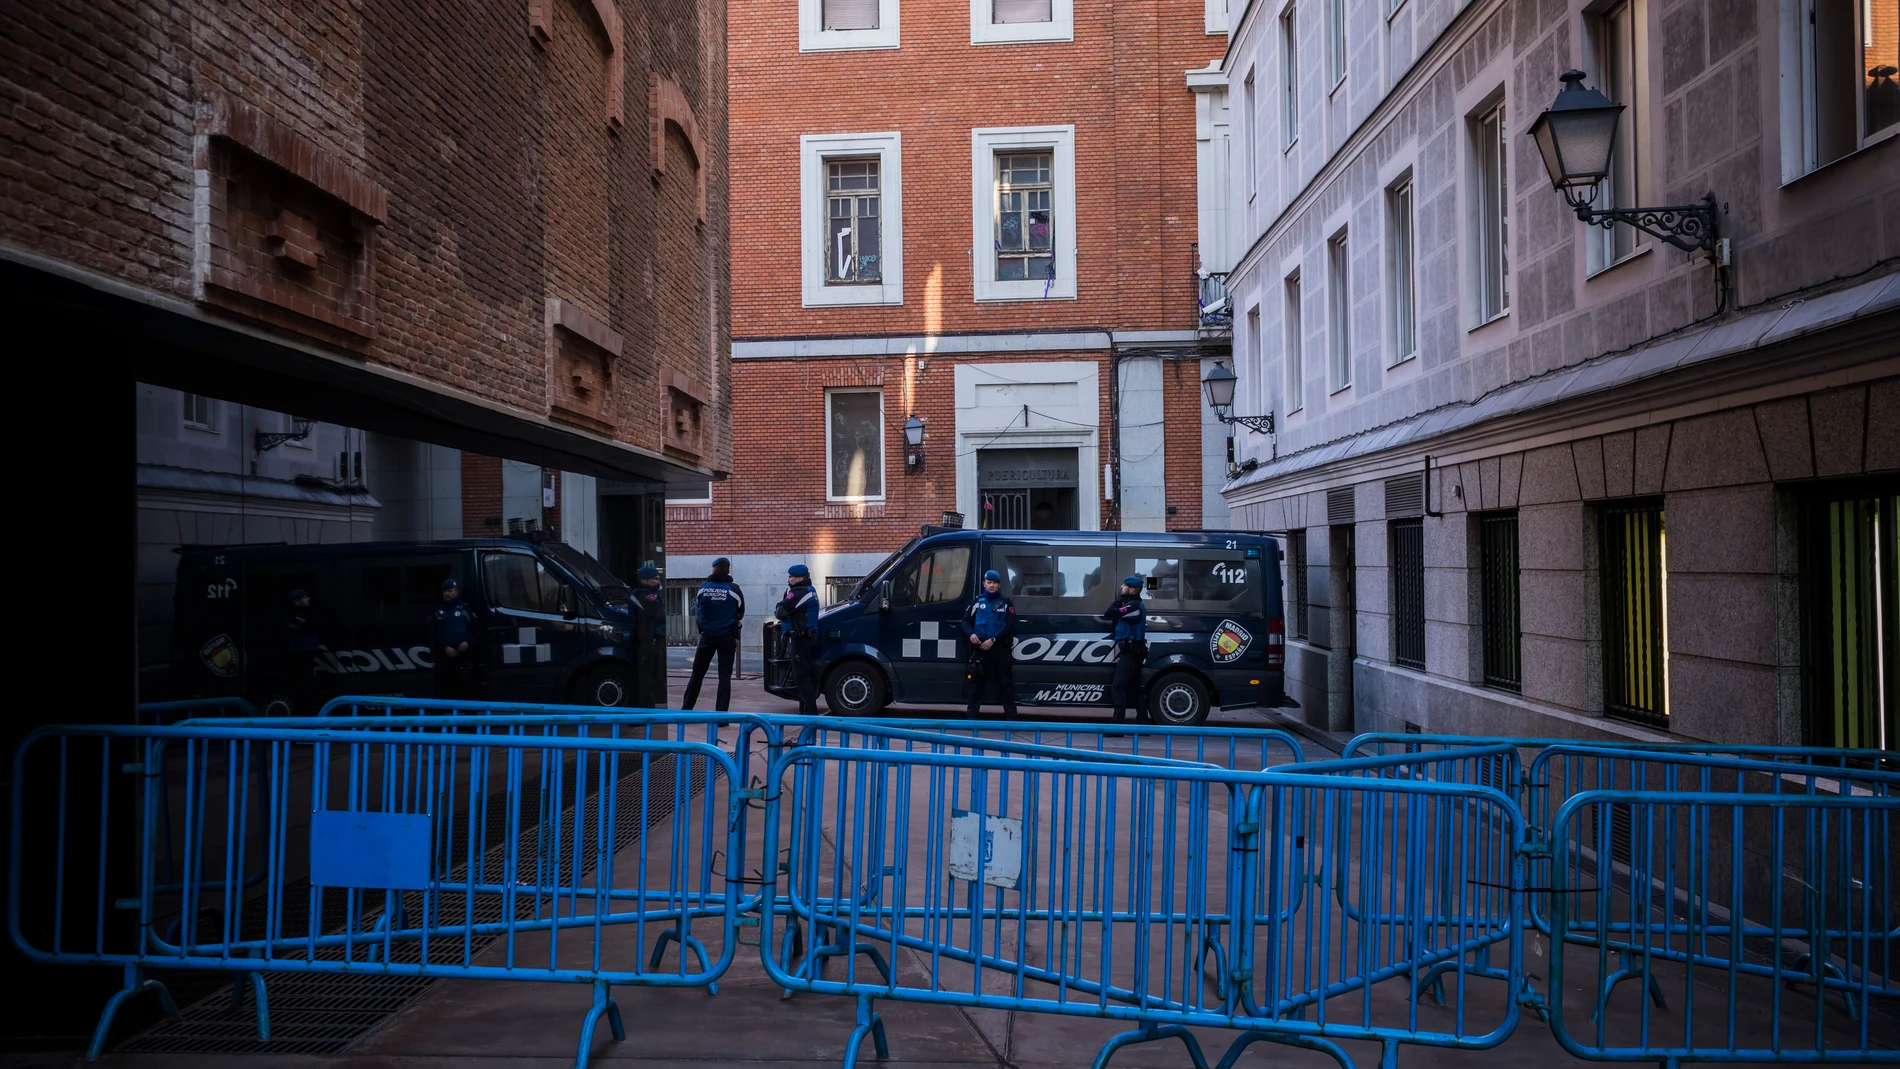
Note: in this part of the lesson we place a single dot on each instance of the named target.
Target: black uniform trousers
(649, 674)
(455, 676)
(993, 667)
(804, 651)
(1125, 691)
(709, 646)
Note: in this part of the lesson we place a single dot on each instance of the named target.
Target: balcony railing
(1217, 313)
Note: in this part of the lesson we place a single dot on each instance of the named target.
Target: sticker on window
(986, 849)
(1230, 641)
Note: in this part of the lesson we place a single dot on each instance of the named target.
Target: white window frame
(1216, 16)
(707, 500)
(1483, 271)
(1632, 132)
(1060, 27)
(1251, 101)
(1339, 311)
(985, 143)
(1292, 299)
(1289, 76)
(1401, 279)
(214, 411)
(813, 37)
(1800, 133)
(814, 230)
(1336, 45)
(883, 469)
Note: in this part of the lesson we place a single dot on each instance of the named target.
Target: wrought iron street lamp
(1219, 384)
(1576, 136)
(913, 444)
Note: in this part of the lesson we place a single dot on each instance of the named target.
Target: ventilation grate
(1339, 506)
(1404, 497)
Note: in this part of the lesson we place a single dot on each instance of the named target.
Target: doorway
(1027, 489)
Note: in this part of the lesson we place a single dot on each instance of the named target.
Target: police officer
(991, 624)
(300, 650)
(649, 639)
(720, 606)
(797, 614)
(454, 652)
(1131, 647)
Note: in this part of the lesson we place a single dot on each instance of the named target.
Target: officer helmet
(992, 576)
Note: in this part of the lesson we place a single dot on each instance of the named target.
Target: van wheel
(1179, 700)
(856, 688)
(278, 701)
(609, 685)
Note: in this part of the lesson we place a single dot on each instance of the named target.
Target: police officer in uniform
(300, 651)
(797, 614)
(991, 624)
(720, 606)
(455, 652)
(649, 639)
(1131, 648)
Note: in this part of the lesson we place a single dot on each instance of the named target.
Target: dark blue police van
(555, 625)
(1216, 634)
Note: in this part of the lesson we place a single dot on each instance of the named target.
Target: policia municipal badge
(1229, 641)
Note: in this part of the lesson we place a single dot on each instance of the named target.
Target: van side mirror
(884, 596)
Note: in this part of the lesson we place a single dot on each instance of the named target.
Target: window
(1252, 119)
(1220, 584)
(1161, 578)
(1339, 310)
(1839, 67)
(1498, 592)
(1401, 283)
(1493, 214)
(1335, 42)
(200, 412)
(852, 219)
(1408, 592)
(936, 576)
(838, 588)
(1023, 213)
(1296, 582)
(1025, 223)
(854, 444)
(1035, 575)
(520, 582)
(1851, 579)
(1620, 41)
(1295, 365)
(851, 255)
(830, 25)
(1255, 349)
(1635, 613)
(1009, 21)
(1290, 75)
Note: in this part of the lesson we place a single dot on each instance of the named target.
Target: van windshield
(877, 574)
(588, 570)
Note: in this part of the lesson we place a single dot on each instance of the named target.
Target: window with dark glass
(1025, 216)
(852, 196)
(1498, 593)
(1490, 153)
(1408, 592)
(855, 443)
(1296, 582)
(1851, 580)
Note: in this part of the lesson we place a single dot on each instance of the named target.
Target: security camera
(1217, 308)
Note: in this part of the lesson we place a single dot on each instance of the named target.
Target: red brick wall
(1120, 82)
(504, 185)
(1181, 412)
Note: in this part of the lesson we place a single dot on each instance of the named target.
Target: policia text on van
(1214, 625)
(550, 624)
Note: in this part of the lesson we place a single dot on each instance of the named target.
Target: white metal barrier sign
(986, 849)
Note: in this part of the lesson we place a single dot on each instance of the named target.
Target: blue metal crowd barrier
(167, 712)
(1166, 896)
(1703, 901)
(1245, 749)
(446, 855)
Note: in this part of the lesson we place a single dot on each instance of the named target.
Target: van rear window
(1220, 583)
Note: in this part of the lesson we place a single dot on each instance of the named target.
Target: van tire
(1179, 699)
(606, 686)
(279, 700)
(856, 688)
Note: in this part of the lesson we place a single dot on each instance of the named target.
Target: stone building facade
(1538, 478)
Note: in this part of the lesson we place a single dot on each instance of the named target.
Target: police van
(1216, 634)
(554, 624)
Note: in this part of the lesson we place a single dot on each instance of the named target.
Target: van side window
(1035, 575)
(422, 583)
(518, 581)
(1220, 584)
(938, 575)
(1163, 575)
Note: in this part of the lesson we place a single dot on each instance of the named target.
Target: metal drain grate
(313, 1013)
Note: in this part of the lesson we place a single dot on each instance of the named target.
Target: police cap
(798, 571)
(1133, 580)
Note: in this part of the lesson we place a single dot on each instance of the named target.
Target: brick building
(979, 217)
(1546, 479)
(498, 229)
